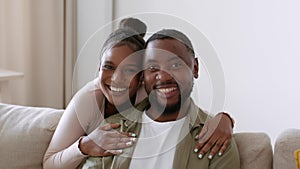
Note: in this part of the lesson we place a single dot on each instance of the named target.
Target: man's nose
(163, 75)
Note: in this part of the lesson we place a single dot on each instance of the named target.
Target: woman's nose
(117, 76)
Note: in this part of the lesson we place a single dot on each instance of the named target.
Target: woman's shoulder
(89, 88)
(89, 96)
(88, 105)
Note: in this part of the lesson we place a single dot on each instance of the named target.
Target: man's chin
(166, 109)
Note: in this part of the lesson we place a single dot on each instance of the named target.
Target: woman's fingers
(108, 127)
(215, 149)
(202, 132)
(110, 139)
(112, 152)
(119, 145)
(204, 147)
(224, 147)
(215, 146)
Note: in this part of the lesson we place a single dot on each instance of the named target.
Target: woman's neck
(111, 109)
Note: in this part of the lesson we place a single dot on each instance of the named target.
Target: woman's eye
(107, 67)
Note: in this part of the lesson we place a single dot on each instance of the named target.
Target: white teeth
(167, 90)
(115, 89)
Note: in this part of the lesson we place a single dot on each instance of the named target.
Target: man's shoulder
(195, 112)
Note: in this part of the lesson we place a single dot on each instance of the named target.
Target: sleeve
(63, 151)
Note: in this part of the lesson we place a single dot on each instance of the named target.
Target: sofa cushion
(25, 134)
(286, 143)
(255, 150)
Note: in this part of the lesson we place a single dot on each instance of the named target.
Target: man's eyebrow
(171, 59)
(127, 64)
(175, 58)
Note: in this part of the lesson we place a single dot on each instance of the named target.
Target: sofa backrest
(26, 132)
(255, 150)
(25, 135)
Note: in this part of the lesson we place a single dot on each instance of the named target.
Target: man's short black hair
(172, 34)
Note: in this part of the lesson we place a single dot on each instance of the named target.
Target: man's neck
(158, 116)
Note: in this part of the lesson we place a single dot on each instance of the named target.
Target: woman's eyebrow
(109, 62)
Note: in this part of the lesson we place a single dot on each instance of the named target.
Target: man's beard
(169, 109)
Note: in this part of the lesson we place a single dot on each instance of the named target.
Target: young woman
(78, 136)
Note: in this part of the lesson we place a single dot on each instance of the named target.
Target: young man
(168, 121)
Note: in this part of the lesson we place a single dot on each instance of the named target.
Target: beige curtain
(38, 38)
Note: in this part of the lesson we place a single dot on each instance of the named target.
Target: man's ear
(142, 77)
(196, 68)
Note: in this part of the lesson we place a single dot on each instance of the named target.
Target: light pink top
(81, 117)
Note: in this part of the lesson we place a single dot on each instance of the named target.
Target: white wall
(93, 18)
(258, 45)
(256, 42)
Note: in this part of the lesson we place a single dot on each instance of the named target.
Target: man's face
(169, 71)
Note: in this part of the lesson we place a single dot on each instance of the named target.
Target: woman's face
(119, 74)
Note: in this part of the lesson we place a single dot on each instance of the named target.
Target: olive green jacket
(185, 157)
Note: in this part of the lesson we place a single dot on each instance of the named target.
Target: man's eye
(175, 65)
(130, 70)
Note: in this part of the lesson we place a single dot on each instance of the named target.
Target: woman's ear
(99, 67)
(196, 68)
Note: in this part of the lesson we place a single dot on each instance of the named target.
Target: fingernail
(129, 143)
(196, 150)
(133, 139)
(210, 157)
(197, 136)
(200, 156)
(220, 153)
(133, 135)
(119, 151)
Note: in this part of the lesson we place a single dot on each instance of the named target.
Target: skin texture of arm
(63, 151)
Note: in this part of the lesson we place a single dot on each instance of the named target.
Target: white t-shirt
(156, 144)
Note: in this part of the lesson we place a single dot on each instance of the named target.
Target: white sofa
(25, 133)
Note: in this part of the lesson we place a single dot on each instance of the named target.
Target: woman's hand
(215, 136)
(105, 141)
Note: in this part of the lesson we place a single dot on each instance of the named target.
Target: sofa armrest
(286, 143)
